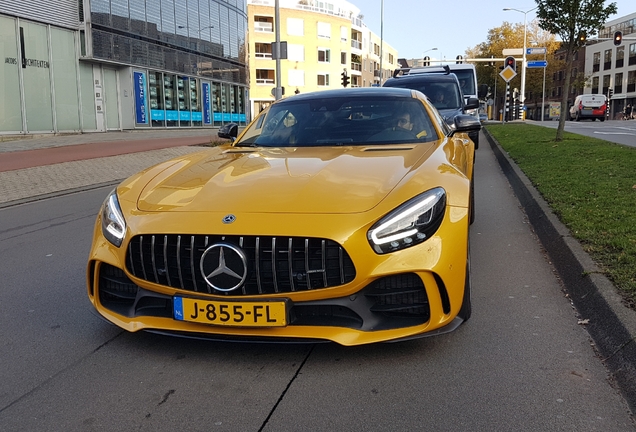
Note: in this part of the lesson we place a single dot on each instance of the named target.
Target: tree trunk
(569, 54)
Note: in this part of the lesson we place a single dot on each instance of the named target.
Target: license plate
(233, 314)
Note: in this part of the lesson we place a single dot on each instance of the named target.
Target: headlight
(113, 223)
(410, 224)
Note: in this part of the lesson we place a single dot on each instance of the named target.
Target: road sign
(512, 51)
(536, 51)
(507, 74)
(537, 64)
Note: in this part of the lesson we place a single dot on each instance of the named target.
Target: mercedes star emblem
(224, 266)
(229, 219)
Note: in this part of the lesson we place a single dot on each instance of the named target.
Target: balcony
(356, 67)
(266, 27)
(356, 44)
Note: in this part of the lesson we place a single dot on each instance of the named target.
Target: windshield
(444, 95)
(341, 121)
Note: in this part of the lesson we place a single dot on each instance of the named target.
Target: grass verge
(590, 184)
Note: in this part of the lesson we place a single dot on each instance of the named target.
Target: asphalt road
(523, 362)
(616, 131)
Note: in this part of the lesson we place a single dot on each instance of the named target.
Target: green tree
(511, 36)
(573, 21)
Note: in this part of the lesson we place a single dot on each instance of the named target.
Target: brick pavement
(32, 168)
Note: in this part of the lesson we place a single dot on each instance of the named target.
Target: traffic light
(582, 38)
(610, 93)
(510, 61)
(618, 38)
(459, 59)
(345, 79)
(427, 61)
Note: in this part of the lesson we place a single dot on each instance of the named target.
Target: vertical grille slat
(165, 259)
(152, 258)
(258, 265)
(290, 260)
(141, 255)
(179, 261)
(307, 270)
(275, 264)
(194, 278)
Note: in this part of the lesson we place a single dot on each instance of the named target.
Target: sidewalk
(32, 168)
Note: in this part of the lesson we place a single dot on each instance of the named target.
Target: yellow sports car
(340, 215)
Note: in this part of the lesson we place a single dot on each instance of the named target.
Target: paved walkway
(32, 168)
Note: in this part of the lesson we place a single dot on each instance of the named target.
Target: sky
(415, 26)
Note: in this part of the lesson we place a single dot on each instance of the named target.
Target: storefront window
(65, 66)
(195, 103)
(156, 99)
(216, 104)
(183, 87)
(170, 100)
(10, 112)
(37, 80)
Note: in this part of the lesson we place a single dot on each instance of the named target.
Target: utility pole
(278, 91)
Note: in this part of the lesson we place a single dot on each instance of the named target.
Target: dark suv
(444, 92)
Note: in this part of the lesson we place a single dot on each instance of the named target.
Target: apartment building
(323, 39)
(612, 68)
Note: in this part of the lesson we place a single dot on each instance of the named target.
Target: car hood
(281, 180)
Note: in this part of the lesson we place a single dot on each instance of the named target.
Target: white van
(590, 106)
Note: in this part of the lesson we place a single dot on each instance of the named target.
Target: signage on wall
(141, 109)
(207, 118)
(28, 62)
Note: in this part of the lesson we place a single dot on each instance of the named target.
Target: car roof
(436, 68)
(423, 78)
(375, 92)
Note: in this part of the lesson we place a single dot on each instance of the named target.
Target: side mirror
(228, 131)
(471, 103)
(466, 123)
(483, 91)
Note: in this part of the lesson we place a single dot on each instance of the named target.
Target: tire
(602, 119)
(578, 118)
(467, 308)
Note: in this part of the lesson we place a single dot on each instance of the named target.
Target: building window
(343, 57)
(264, 76)
(296, 78)
(344, 34)
(295, 27)
(620, 56)
(263, 50)
(595, 85)
(295, 52)
(618, 83)
(324, 30)
(263, 24)
(632, 54)
(596, 62)
(323, 80)
(324, 55)
(631, 81)
(607, 59)
(606, 83)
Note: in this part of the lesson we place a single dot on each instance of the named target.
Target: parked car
(589, 106)
(340, 216)
(444, 92)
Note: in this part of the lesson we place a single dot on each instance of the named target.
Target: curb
(612, 326)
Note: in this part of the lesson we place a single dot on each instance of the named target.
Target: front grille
(275, 264)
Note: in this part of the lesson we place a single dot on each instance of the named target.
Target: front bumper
(401, 295)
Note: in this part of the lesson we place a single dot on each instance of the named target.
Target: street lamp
(423, 59)
(523, 64)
